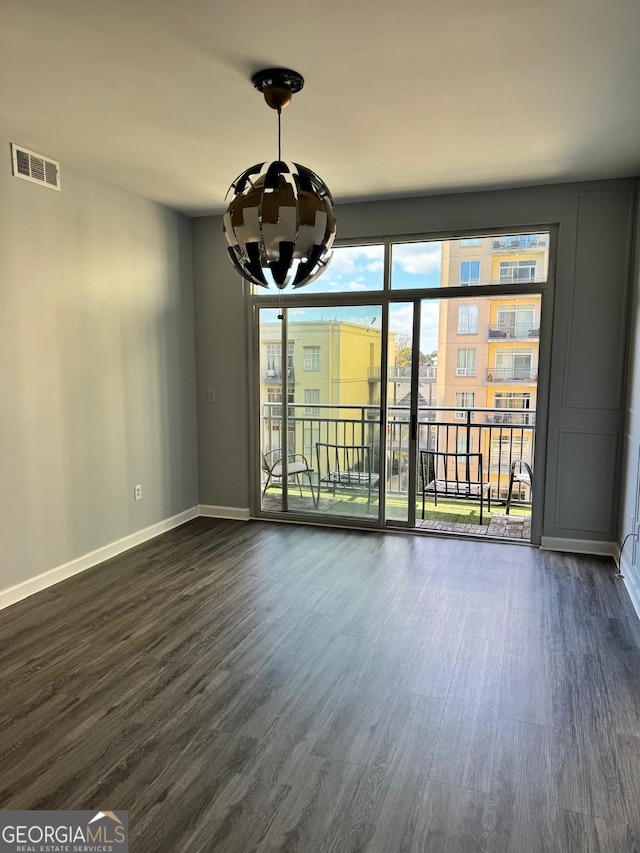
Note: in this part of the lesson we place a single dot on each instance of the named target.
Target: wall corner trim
(579, 546)
(235, 513)
(16, 593)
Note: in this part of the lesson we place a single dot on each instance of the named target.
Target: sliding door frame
(384, 298)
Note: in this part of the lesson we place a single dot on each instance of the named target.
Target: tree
(403, 353)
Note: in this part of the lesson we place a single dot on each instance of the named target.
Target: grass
(355, 504)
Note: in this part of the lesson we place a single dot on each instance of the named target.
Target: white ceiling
(400, 97)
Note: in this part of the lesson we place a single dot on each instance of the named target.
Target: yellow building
(333, 375)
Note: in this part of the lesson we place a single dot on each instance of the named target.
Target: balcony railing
(524, 241)
(274, 374)
(513, 332)
(426, 372)
(512, 374)
(501, 436)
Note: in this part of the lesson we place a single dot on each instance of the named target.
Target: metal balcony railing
(517, 243)
(512, 374)
(524, 331)
(274, 374)
(501, 436)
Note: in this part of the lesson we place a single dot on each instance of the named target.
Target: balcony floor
(500, 526)
(448, 517)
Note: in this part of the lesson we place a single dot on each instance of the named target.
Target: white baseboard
(235, 513)
(631, 577)
(36, 584)
(634, 591)
(579, 546)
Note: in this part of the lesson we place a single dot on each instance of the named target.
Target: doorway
(461, 415)
(405, 348)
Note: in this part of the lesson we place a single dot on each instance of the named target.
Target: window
(468, 320)
(513, 400)
(311, 396)
(517, 321)
(274, 360)
(512, 365)
(274, 395)
(352, 268)
(464, 400)
(465, 261)
(469, 272)
(517, 271)
(466, 362)
(311, 358)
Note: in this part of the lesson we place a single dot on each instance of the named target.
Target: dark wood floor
(260, 687)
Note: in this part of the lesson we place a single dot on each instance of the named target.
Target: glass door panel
(399, 395)
(482, 402)
(332, 417)
(272, 374)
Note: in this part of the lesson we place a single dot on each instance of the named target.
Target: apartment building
(488, 348)
(332, 373)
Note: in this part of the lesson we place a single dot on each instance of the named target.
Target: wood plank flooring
(245, 687)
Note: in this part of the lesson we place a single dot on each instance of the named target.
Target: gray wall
(222, 367)
(581, 480)
(97, 376)
(630, 512)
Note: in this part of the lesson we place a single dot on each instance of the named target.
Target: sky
(354, 269)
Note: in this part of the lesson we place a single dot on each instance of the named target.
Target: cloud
(356, 285)
(401, 322)
(347, 258)
(417, 258)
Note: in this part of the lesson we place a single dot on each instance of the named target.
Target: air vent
(35, 168)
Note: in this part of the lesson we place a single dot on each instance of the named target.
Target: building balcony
(426, 373)
(520, 243)
(274, 374)
(518, 331)
(508, 375)
(501, 436)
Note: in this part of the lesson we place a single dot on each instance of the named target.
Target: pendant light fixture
(279, 223)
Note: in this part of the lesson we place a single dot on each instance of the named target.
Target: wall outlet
(211, 396)
(137, 492)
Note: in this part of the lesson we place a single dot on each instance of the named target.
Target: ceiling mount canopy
(278, 85)
(279, 223)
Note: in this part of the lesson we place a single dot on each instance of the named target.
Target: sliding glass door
(402, 350)
(320, 452)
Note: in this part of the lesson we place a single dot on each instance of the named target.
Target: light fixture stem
(279, 134)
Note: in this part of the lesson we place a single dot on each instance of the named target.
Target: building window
(469, 272)
(511, 271)
(274, 359)
(471, 241)
(517, 321)
(311, 397)
(464, 400)
(466, 362)
(311, 358)
(274, 395)
(513, 400)
(468, 320)
(513, 365)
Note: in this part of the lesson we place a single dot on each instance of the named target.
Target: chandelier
(279, 223)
